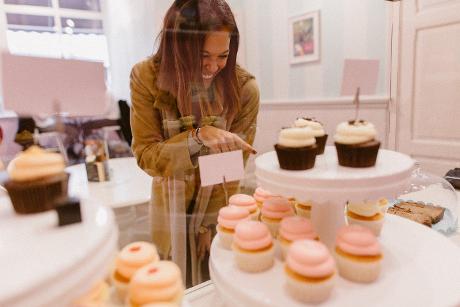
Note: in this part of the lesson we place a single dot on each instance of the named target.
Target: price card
(214, 169)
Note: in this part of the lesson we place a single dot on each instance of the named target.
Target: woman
(191, 99)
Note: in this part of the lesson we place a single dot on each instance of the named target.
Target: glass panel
(86, 5)
(29, 2)
(30, 22)
(74, 25)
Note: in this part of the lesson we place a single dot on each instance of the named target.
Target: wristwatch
(203, 230)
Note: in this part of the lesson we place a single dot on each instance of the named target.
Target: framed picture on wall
(304, 38)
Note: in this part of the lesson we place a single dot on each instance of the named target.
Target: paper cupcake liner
(38, 195)
(321, 144)
(296, 159)
(310, 292)
(357, 155)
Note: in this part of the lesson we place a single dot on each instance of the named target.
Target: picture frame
(304, 38)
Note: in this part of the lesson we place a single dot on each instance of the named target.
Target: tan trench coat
(160, 145)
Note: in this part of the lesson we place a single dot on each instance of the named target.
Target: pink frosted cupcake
(156, 283)
(260, 195)
(247, 202)
(294, 228)
(253, 247)
(358, 254)
(273, 211)
(310, 271)
(132, 257)
(227, 220)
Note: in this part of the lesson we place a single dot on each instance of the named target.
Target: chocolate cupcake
(36, 180)
(318, 131)
(356, 144)
(296, 148)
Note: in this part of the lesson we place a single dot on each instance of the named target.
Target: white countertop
(128, 184)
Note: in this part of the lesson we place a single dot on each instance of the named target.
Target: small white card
(213, 168)
(360, 73)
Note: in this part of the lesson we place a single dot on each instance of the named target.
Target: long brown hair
(185, 27)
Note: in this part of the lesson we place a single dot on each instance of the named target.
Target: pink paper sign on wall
(31, 85)
(213, 168)
(360, 73)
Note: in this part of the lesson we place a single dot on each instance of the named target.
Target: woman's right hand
(218, 140)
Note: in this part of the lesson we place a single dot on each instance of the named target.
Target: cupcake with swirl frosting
(318, 131)
(358, 254)
(367, 213)
(296, 148)
(227, 220)
(253, 247)
(246, 202)
(260, 195)
(295, 228)
(37, 179)
(156, 283)
(273, 211)
(310, 271)
(356, 143)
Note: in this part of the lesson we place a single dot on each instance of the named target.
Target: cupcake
(97, 296)
(356, 144)
(253, 247)
(273, 211)
(368, 214)
(294, 228)
(247, 202)
(358, 254)
(303, 209)
(260, 195)
(296, 148)
(318, 131)
(132, 257)
(37, 179)
(227, 220)
(383, 203)
(310, 271)
(156, 283)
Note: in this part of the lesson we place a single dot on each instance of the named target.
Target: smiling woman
(190, 99)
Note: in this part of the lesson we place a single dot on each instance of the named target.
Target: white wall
(3, 47)
(349, 29)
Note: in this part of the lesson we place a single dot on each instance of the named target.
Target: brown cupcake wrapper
(38, 195)
(296, 159)
(357, 155)
(321, 144)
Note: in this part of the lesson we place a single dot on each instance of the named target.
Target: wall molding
(328, 102)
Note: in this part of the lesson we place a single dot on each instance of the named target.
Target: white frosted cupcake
(356, 143)
(296, 149)
(310, 271)
(247, 202)
(227, 220)
(132, 257)
(318, 131)
(294, 228)
(156, 283)
(368, 214)
(273, 211)
(253, 247)
(358, 254)
(303, 208)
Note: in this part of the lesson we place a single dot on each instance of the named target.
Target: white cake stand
(329, 186)
(420, 268)
(46, 265)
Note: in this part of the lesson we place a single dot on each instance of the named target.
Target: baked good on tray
(318, 131)
(356, 143)
(419, 212)
(296, 148)
(37, 179)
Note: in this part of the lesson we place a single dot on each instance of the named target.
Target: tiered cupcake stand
(420, 267)
(46, 265)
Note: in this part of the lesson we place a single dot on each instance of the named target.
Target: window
(56, 28)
